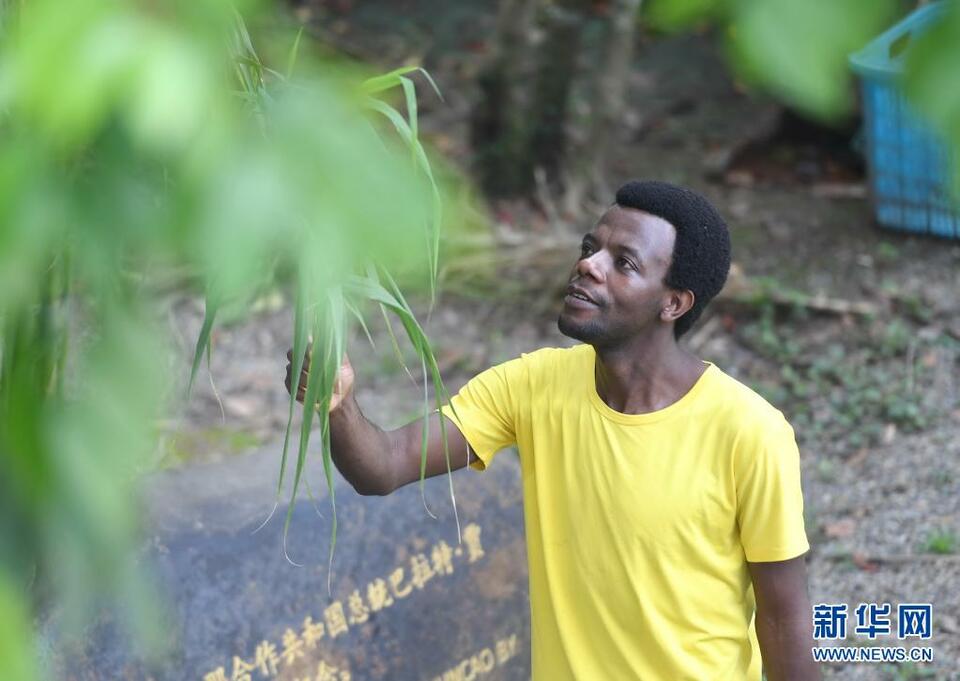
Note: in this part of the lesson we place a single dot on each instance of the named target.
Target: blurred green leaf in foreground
(138, 136)
(798, 50)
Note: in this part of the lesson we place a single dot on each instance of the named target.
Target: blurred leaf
(97, 444)
(798, 50)
(172, 93)
(673, 15)
(16, 647)
(931, 64)
(136, 137)
(294, 51)
(32, 221)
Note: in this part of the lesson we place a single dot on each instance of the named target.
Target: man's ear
(676, 304)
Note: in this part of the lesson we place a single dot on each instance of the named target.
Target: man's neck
(645, 375)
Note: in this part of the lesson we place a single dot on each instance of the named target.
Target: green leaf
(337, 326)
(423, 349)
(386, 81)
(931, 63)
(798, 50)
(315, 390)
(17, 654)
(203, 340)
(420, 157)
(296, 366)
(294, 50)
(673, 15)
(131, 148)
(384, 305)
(360, 320)
(410, 94)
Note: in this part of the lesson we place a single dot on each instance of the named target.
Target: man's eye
(623, 262)
(584, 250)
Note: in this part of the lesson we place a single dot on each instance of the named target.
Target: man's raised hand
(342, 386)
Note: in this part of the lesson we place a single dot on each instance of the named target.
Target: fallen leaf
(839, 529)
(859, 457)
(889, 433)
(863, 562)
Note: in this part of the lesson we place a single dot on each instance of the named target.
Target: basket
(908, 163)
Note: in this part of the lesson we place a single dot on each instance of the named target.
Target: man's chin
(587, 333)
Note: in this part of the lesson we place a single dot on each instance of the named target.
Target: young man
(662, 497)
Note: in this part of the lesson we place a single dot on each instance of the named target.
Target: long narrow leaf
(294, 51)
(393, 299)
(211, 308)
(406, 132)
(425, 438)
(383, 82)
(409, 132)
(296, 367)
(332, 359)
(384, 305)
(360, 320)
(433, 234)
(313, 395)
(419, 340)
(410, 94)
(433, 83)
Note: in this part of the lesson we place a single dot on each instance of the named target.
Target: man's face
(621, 268)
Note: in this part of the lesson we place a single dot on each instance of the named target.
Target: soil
(874, 399)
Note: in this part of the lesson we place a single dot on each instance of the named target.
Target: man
(662, 497)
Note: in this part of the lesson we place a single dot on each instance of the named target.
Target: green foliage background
(137, 137)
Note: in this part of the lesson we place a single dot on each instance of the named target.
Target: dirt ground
(874, 398)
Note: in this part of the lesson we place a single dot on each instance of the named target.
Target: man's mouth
(577, 297)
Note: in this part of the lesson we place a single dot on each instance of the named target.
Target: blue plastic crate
(908, 162)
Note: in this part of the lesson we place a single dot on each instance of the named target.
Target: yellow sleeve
(769, 498)
(485, 409)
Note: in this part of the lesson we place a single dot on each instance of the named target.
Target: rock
(407, 601)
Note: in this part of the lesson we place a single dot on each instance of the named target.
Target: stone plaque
(407, 601)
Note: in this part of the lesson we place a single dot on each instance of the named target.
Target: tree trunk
(517, 127)
(585, 176)
(562, 22)
(497, 132)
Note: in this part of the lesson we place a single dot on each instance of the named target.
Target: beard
(592, 332)
(600, 332)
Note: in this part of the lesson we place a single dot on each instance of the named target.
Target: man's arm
(375, 461)
(784, 620)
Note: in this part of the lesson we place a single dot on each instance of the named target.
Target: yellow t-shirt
(639, 526)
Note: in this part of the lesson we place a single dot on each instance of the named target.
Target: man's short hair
(701, 253)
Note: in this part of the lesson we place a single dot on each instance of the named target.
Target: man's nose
(591, 267)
